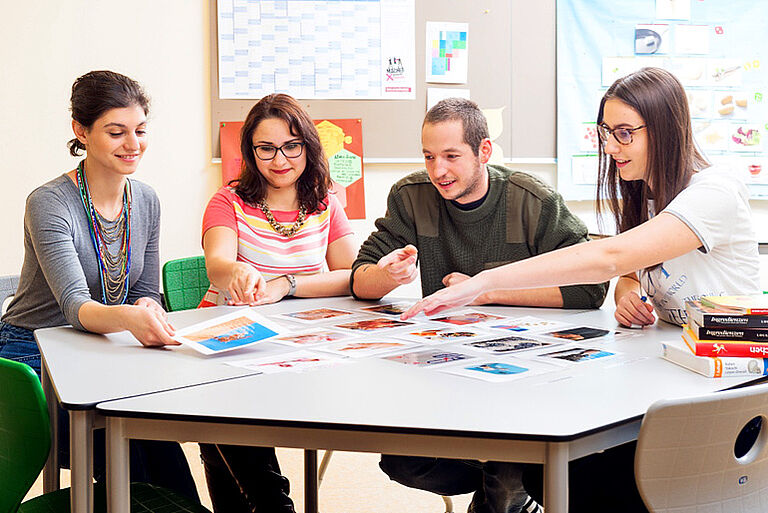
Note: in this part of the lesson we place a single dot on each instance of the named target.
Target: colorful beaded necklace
(277, 226)
(113, 268)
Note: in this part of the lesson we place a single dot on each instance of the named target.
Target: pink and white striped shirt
(269, 252)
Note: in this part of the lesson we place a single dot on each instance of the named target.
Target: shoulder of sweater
(417, 178)
(523, 181)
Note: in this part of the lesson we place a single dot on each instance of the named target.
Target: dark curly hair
(314, 183)
(95, 93)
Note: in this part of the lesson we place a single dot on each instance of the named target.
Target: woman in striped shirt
(268, 235)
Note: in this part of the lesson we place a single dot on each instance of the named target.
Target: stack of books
(725, 336)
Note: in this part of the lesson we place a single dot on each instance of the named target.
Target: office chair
(184, 283)
(705, 453)
(8, 286)
(25, 439)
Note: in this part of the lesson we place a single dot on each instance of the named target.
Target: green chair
(184, 283)
(25, 440)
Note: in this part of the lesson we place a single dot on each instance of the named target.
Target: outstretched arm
(548, 297)
(662, 238)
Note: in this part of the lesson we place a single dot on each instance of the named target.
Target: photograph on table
(428, 357)
(235, 330)
(374, 325)
(315, 315)
(311, 337)
(394, 309)
(508, 344)
(577, 354)
(296, 361)
(465, 317)
(577, 333)
(529, 323)
(501, 370)
(445, 335)
(361, 347)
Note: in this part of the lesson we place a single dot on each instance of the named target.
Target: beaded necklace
(114, 268)
(280, 228)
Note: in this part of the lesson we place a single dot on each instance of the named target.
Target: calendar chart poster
(317, 49)
(718, 51)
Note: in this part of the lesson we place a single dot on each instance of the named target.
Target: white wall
(163, 44)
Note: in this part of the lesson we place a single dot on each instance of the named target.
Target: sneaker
(531, 506)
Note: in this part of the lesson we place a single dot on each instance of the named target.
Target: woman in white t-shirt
(685, 229)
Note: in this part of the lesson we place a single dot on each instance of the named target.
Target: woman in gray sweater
(91, 252)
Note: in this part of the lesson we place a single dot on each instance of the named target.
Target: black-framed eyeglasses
(622, 135)
(290, 150)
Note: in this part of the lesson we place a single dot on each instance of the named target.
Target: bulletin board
(511, 49)
(716, 49)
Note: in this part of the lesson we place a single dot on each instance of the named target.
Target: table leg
(51, 468)
(81, 460)
(118, 468)
(310, 481)
(556, 478)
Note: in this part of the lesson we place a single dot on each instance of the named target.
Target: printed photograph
(315, 314)
(376, 324)
(366, 347)
(464, 318)
(310, 338)
(579, 333)
(509, 344)
(427, 358)
(533, 324)
(387, 309)
(225, 333)
(290, 362)
(500, 371)
(443, 335)
(578, 354)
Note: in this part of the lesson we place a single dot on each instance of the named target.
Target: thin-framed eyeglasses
(622, 135)
(290, 150)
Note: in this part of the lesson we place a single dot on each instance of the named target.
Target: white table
(379, 406)
(82, 369)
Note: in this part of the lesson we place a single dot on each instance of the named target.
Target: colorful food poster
(447, 52)
(231, 160)
(359, 348)
(296, 361)
(342, 141)
(498, 371)
(234, 330)
(715, 49)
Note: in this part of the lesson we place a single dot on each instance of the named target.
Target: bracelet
(292, 284)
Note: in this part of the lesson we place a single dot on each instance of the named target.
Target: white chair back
(8, 286)
(686, 459)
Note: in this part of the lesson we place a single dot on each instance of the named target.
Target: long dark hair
(660, 100)
(95, 93)
(314, 183)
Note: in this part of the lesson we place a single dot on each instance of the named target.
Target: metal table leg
(81, 460)
(51, 468)
(556, 478)
(118, 468)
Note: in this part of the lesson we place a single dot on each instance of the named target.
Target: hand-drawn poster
(342, 141)
(716, 49)
(231, 161)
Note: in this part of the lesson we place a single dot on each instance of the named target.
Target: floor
(352, 483)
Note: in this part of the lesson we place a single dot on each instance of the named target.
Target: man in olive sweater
(457, 218)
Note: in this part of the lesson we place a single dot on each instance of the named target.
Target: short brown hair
(473, 121)
(314, 183)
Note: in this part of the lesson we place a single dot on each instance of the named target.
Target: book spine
(725, 349)
(752, 335)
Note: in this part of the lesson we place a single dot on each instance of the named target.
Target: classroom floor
(352, 483)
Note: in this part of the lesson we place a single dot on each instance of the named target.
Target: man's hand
(400, 264)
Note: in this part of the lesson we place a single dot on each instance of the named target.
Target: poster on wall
(342, 141)
(716, 49)
(447, 52)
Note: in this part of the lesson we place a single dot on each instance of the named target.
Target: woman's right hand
(633, 311)
(246, 285)
(149, 325)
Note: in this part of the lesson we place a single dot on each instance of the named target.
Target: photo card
(234, 330)
(371, 346)
(373, 325)
(393, 309)
(577, 354)
(577, 333)
(500, 370)
(528, 324)
(427, 357)
(296, 361)
(311, 337)
(466, 317)
(508, 344)
(315, 315)
(443, 335)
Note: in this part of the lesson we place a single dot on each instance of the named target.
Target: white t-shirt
(715, 206)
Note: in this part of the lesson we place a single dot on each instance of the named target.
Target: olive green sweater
(520, 217)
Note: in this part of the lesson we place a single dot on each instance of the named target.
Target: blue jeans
(497, 486)
(159, 463)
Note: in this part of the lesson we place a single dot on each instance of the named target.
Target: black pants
(245, 479)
